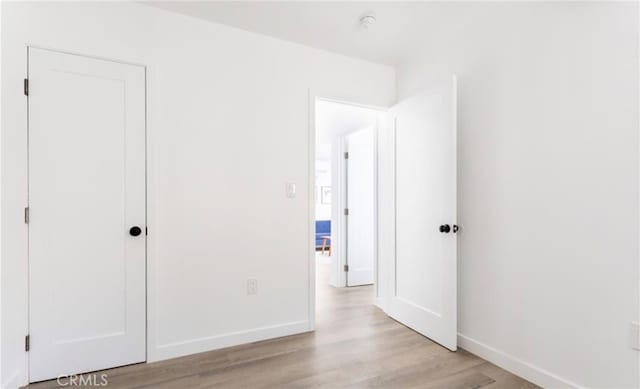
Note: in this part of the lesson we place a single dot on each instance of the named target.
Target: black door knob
(135, 231)
(445, 228)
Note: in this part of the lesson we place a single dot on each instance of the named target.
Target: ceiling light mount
(367, 20)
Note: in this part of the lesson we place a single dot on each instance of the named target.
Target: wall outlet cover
(252, 286)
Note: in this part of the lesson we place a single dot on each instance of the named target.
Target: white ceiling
(401, 27)
(336, 119)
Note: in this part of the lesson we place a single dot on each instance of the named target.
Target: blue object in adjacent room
(323, 228)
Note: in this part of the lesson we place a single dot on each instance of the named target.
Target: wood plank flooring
(355, 345)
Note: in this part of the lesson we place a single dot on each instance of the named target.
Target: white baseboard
(199, 345)
(14, 382)
(514, 365)
(379, 302)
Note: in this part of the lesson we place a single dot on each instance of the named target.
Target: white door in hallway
(87, 244)
(424, 279)
(361, 205)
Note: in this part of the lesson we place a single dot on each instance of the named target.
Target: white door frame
(314, 97)
(148, 215)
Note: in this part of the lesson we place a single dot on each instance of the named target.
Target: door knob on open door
(445, 228)
(135, 231)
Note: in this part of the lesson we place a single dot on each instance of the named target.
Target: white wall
(228, 126)
(548, 185)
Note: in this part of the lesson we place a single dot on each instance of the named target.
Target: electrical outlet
(252, 286)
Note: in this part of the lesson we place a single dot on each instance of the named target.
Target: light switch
(291, 190)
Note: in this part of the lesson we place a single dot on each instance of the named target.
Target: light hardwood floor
(355, 345)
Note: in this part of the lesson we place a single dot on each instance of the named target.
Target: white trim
(638, 215)
(198, 345)
(14, 382)
(376, 206)
(152, 224)
(347, 102)
(311, 187)
(514, 365)
(98, 57)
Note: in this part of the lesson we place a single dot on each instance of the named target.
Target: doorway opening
(345, 195)
(405, 243)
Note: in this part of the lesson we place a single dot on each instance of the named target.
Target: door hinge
(346, 212)
(346, 155)
(27, 343)
(26, 215)
(346, 267)
(26, 87)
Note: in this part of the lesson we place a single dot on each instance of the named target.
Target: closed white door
(361, 205)
(87, 245)
(424, 282)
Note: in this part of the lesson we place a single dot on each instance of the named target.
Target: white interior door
(423, 294)
(361, 205)
(86, 191)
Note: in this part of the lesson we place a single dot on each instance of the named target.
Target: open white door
(87, 245)
(423, 283)
(361, 205)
